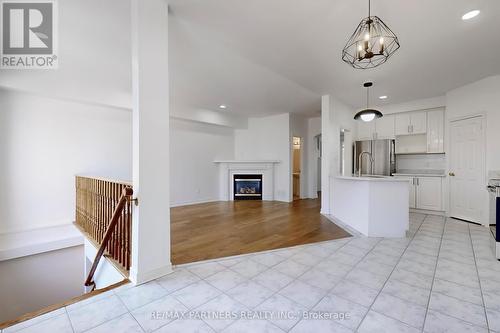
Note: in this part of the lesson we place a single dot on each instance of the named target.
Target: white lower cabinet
(429, 193)
(425, 192)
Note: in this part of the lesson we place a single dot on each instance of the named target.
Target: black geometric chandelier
(368, 114)
(371, 44)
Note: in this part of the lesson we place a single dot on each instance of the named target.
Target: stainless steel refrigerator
(384, 157)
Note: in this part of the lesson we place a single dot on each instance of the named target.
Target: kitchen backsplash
(421, 162)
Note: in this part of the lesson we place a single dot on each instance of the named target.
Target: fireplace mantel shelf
(247, 161)
(229, 168)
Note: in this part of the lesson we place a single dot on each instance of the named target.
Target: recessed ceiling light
(471, 14)
(222, 106)
(383, 97)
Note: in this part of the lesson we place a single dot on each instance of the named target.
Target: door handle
(452, 174)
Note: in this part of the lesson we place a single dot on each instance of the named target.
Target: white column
(151, 222)
(330, 157)
(325, 154)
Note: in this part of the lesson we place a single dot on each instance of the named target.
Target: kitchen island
(371, 205)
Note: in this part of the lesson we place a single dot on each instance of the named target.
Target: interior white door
(467, 157)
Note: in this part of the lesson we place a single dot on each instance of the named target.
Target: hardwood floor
(221, 229)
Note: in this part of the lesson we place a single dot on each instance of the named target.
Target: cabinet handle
(408, 128)
(418, 181)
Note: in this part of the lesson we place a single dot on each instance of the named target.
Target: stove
(494, 191)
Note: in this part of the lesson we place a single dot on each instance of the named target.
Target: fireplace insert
(247, 187)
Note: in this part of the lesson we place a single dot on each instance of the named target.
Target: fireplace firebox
(247, 187)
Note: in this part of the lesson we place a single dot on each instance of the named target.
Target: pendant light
(371, 44)
(368, 114)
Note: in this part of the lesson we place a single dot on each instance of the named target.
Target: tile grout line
(129, 311)
(245, 257)
(479, 280)
(347, 273)
(389, 276)
(69, 319)
(461, 319)
(251, 279)
(329, 290)
(435, 271)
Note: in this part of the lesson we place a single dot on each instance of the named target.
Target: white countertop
(372, 179)
(419, 175)
(247, 161)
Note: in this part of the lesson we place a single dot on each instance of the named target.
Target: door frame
(303, 180)
(484, 209)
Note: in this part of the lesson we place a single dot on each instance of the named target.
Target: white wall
(106, 274)
(31, 283)
(314, 129)
(419, 104)
(44, 143)
(193, 149)
(481, 97)
(268, 138)
(421, 162)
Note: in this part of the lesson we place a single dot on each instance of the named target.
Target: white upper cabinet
(402, 124)
(435, 131)
(384, 127)
(381, 128)
(411, 123)
(366, 130)
(418, 122)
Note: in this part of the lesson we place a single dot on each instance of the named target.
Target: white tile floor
(442, 278)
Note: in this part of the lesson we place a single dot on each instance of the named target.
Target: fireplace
(247, 187)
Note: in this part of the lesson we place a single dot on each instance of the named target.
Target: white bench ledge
(26, 243)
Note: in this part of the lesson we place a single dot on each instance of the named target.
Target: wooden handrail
(125, 197)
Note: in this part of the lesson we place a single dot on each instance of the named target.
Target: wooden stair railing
(117, 213)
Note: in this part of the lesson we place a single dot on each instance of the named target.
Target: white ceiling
(270, 56)
(94, 56)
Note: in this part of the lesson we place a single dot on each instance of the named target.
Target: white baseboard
(344, 226)
(144, 277)
(428, 212)
(196, 202)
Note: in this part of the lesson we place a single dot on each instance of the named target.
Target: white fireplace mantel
(229, 168)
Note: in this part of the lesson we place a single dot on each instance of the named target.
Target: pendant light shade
(368, 114)
(371, 44)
